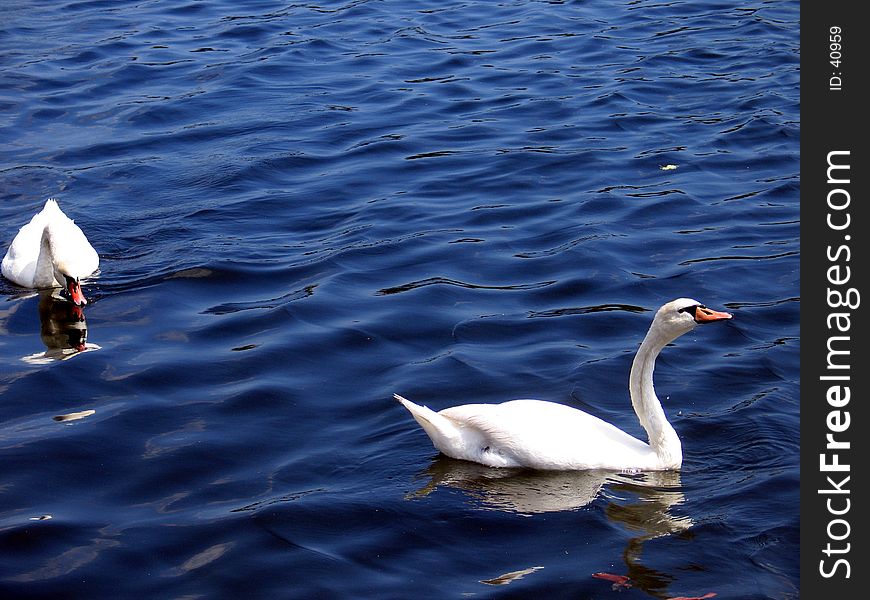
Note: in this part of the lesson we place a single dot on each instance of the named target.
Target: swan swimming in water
(51, 251)
(549, 436)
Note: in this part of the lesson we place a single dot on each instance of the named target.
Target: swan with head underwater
(51, 251)
(544, 435)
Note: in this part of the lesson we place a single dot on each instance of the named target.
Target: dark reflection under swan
(642, 503)
(529, 491)
(62, 328)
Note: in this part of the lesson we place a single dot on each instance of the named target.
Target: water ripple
(472, 286)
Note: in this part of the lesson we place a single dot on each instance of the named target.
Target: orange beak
(75, 291)
(707, 315)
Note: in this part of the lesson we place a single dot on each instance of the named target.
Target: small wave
(473, 286)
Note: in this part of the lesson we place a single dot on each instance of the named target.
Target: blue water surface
(303, 208)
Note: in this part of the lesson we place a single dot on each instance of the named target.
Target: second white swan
(549, 436)
(51, 251)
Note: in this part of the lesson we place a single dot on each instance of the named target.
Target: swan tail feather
(441, 430)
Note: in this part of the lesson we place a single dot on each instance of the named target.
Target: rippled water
(302, 209)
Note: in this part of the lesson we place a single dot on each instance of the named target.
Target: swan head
(64, 263)
(682, 315)
(73, 287)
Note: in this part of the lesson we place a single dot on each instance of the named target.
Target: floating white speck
(75, 415)
(509, 577)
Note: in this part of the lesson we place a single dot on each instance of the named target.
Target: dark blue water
(302, 209)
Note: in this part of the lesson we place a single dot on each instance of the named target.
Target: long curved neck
(663, 438)
(44, 276)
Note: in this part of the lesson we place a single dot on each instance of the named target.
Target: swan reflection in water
(526, 491)
(63, 329)
(642, 503)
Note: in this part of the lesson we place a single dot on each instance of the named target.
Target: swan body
(545, 435)
(51, 251)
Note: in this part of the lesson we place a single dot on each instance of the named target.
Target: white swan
(51, 251)
(544, 435)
